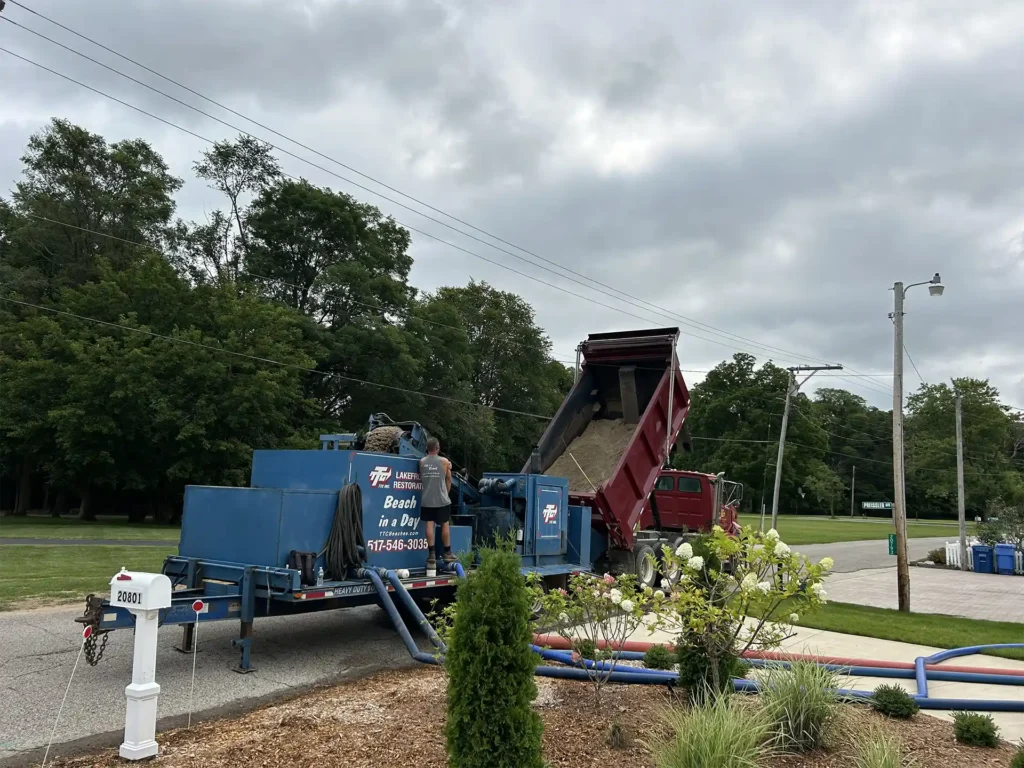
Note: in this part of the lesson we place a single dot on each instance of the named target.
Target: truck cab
(684, 502)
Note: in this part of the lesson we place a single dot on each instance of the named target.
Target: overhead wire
(618, 295)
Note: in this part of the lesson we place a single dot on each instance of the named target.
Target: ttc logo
(549, 514)
(379, 477)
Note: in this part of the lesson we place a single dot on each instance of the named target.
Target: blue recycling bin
(1005, 555)
(983, 560)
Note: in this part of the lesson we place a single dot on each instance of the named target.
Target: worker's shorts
(439, 515)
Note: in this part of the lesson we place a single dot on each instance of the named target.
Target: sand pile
(597, 451)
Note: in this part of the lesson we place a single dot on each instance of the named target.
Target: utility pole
(899, 500)
(960, 479)
(791, 389)
(853, 490)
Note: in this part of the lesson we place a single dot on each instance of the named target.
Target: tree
(988, 436)
(735, 418)
(489, 660)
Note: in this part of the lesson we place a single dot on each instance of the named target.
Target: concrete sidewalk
(816, 641)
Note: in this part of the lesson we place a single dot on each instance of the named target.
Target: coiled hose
(345, 545)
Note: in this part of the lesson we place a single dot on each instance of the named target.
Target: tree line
(140, 352)
(136, 359)
(736, 418)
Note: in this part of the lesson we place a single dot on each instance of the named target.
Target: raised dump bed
(611, 436)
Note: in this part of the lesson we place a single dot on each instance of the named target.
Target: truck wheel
(671, 575)
(645, 565)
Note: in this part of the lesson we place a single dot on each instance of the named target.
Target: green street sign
(876, 505)
(892, 543)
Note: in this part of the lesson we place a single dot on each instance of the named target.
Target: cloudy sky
(758, 173)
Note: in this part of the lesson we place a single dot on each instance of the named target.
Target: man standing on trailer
(436, 474)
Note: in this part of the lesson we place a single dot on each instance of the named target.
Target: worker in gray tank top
(436, 474)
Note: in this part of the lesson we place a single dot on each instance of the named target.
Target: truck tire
(671, 576)
(645, 565)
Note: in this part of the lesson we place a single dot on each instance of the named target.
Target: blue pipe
(565, 657)
(922, 677)
(414, 610)
(970, 705)
(572, 673)
(904, 674)
(459, 570)
(396, 618)
(970, 650)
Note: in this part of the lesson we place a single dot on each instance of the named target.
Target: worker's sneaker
(431, 562)
(449, 556)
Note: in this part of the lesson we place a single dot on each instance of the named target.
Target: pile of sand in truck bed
(597, 451)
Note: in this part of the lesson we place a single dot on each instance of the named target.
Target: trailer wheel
(671, 574)
(645, 565)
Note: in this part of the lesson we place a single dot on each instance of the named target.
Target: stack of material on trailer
(383, 440)
(597, 451)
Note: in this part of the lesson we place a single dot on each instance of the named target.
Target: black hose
(345, 546)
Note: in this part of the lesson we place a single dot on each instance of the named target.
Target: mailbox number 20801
(129, 597)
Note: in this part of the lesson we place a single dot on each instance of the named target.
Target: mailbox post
(144, 594)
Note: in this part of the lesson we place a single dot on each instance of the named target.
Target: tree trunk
(164, 513)
(23, 502)
(60, 504)
(85, 510)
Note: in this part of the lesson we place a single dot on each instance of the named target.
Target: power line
(914, 364)
(617, 295)
(325, 374)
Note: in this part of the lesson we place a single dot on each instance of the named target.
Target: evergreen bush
(490, 670)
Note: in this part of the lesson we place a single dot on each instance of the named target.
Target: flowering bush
(720, 615)
(596, 614)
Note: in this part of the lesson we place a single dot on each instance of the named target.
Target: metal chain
(93, 616)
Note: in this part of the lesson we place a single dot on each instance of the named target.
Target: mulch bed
(396, 719)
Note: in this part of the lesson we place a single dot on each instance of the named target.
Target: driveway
(860, 555)
(289, 653)
(936, 590)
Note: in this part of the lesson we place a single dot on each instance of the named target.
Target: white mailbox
(144, 594)
(140, 591)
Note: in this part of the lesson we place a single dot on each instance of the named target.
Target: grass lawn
(823, 530)
(72, 528)
(921, 628)
(61, 574)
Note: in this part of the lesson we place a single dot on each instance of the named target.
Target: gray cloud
(756, 168)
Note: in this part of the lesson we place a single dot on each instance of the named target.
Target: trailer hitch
(91, 618)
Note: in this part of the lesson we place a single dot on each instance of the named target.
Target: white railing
(953, 556)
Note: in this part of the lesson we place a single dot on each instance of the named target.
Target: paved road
(859, 555)
(290, 653)
(88, 542)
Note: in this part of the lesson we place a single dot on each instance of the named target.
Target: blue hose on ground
(396, 618)
(459, 570)
(565, 657)
(903, 674)
(643, 677)
(922, 677)
(414, 610)
(970, 650)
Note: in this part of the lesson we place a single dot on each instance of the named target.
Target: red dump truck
(613, 437)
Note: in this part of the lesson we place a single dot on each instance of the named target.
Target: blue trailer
(341, 526)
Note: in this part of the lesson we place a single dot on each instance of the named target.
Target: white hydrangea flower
(717, 529)
(627, 606)
(749, 582)
(793, 618)
(648, 589)
(827, 563)
(782, 548)
(684, 550)
(564, 618)
(696, 563)
(772, 535)
(615, 596)
(817, 590)
(765, 587)
(659, 594)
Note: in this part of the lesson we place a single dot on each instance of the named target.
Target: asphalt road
(290, 654)
(852, 556)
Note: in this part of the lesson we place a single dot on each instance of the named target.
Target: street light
(899, 505)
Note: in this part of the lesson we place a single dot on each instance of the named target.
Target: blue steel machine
(324, 529)
(235, 553)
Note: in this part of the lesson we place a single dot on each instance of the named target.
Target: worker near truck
(436, 474)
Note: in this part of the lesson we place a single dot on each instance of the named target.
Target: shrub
(975, 729)
(881, 751)
(937, 556)
(803, 704)
(893, 701)
(586, 648)
(490, 668)
(721, 733)
(1018, 759)
(659, 657)
(696, 677)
